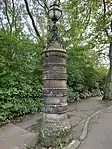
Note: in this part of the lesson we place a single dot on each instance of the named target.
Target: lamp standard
(55, 129)
(55, 14)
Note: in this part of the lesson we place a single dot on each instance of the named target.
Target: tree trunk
(108, 88)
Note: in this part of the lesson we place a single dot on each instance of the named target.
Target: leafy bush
(16, 107)
(72, 96)
(86, 76)
(21, 75)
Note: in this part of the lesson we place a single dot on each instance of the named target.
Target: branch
(14, 16)
(104, 4)
(29, 28)
(7, 16)
(45, 5)
(13, 12)
(32, 19)
(59, 2)
(3, 28)
(88, 19)
(86, 22)
(111, 26)
(41, 4)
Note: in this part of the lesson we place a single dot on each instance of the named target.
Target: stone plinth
(55, 129)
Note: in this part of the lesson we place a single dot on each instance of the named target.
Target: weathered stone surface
(56, 45)
(55, 53)
(57, 68)
(55, 129)
(54, 58)
(55, 117)
(55, 83)
(54, 64)
(55, 109)
(55, 92)
(55, 75)
(55, 133)
(55, 100)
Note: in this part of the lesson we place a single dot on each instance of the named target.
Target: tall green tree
(24, 30)
(108, 25)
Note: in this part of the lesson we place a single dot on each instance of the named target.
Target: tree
(108, 13)
(21, 46)
(108, 88)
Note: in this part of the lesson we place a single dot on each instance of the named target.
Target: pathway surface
(23, 132)
(76, 111)
(100, 132)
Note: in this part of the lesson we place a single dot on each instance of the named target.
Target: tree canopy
(24, 31)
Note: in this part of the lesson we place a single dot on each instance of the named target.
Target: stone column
(55, 129)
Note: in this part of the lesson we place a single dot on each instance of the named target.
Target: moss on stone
(56, 139)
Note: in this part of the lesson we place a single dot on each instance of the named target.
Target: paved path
(100, 132)
(21, 133)
(13, 137)
(76, 111)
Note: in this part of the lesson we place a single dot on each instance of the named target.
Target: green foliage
(16, 107)
(86, 76)
(21, 75)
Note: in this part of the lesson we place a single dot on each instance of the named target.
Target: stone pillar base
(55, 130)
(55, 133)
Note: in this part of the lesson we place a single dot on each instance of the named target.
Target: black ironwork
(55, 34)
